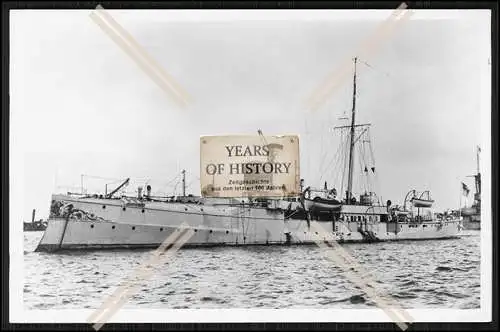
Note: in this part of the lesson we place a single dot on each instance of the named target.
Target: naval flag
(465, 189)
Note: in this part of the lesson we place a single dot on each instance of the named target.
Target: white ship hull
(149, 226)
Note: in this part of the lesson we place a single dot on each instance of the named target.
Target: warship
(472, 214)
(111, 220)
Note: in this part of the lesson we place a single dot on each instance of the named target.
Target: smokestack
(148, 191)
(139, 192)
(33, 216)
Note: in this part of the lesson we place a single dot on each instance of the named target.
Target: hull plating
(104, 223)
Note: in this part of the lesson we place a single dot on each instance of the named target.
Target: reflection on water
(418, 274)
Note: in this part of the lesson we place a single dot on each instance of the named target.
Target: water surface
(418, 274)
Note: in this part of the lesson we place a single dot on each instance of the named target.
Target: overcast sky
(80, 105)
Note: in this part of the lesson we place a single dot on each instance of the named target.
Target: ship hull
(472, 222)
(149, 226)
(472, 218)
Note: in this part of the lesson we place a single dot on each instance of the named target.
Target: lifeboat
(419, 201)
(318, 203)
(422, 203)
(322, 204)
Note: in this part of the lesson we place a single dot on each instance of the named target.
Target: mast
(183, 183)
(351, 149)
(477, 158)
(478, 177)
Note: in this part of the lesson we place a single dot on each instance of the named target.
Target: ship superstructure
(472, 214)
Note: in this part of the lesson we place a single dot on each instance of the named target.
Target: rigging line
(362, 164)
(370, 66)
(175, 188)
(334, 161)
(308, 141)
(376, 182)
(101, 177)
(328, 168)
(190, 183)
(371, 147)
(344, 156)
(340, 178)
(363, 173)
(362, 182)
(367, 174)
(370, 175)
(333, 171)
(170, 181)
(321, 151)
(339, 161)
(342, 164)
(375, 173)
(345, 161)
(322, 168)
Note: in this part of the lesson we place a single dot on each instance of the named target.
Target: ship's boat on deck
(422, 203)
(320, 200)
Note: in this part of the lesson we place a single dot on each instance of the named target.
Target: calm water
(418, 274)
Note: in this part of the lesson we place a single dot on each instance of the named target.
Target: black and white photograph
(250, 166)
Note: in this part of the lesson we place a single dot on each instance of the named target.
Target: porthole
(91, 226)
(316, 233)
(227, 232)
(104, 206)
(201, 209)
(133, 227)
(185, 209)
(161, 229)
(196, 230)
(124, 208)
(143, 210)
(113, 227)
(210, 231)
